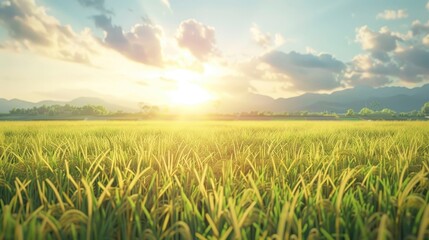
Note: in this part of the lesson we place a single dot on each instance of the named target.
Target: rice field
(214, 180)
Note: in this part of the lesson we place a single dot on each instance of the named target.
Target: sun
(188, 94)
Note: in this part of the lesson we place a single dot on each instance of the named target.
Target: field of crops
(214, 180)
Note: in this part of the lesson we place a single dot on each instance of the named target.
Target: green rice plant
(214, 180)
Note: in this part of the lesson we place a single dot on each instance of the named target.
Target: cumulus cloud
(262, 39)
(418, 28)
(198, 38)
(390, 58)
(266, 40)
(427, 6)
(413, 64)
(392, 14)
(425, 40)
(31, 28)
(409, 66)
(309, 61)
(300, 72)
(96, 4)
(367, 79)
(379, 44)
(366, 70)
(141, 44)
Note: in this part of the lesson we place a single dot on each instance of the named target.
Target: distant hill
(400, 99)
(7, 105)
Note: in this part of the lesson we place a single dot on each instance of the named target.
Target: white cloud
(31, 28)
(266, 40)
(427, 6)
(198, 38)
(310, 50)
(366, 70)
(371, 40)
(378, 43)
(279, 39)
(392, 14)
(418, 28)
(425, 40)
(141, 44)
(297, 71)
(390, 57)
(262, 39)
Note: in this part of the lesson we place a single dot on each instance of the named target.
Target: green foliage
(425, 109)
(58, 110)
(149, 110)
(350, 113)
(388, 111)
(213, 180)
(366, 111)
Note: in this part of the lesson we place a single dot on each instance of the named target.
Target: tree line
(365, 112)
(424, 111)
(61, 110)
(148, 110)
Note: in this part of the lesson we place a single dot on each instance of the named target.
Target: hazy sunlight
(170, 119)
(189, 94)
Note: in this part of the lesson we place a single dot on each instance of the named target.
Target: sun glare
(190, 94)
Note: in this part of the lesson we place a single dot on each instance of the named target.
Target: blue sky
(166, 51)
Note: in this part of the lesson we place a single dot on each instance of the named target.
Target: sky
(188, 52)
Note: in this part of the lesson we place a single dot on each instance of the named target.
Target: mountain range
(7, 105)
(400, 99)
